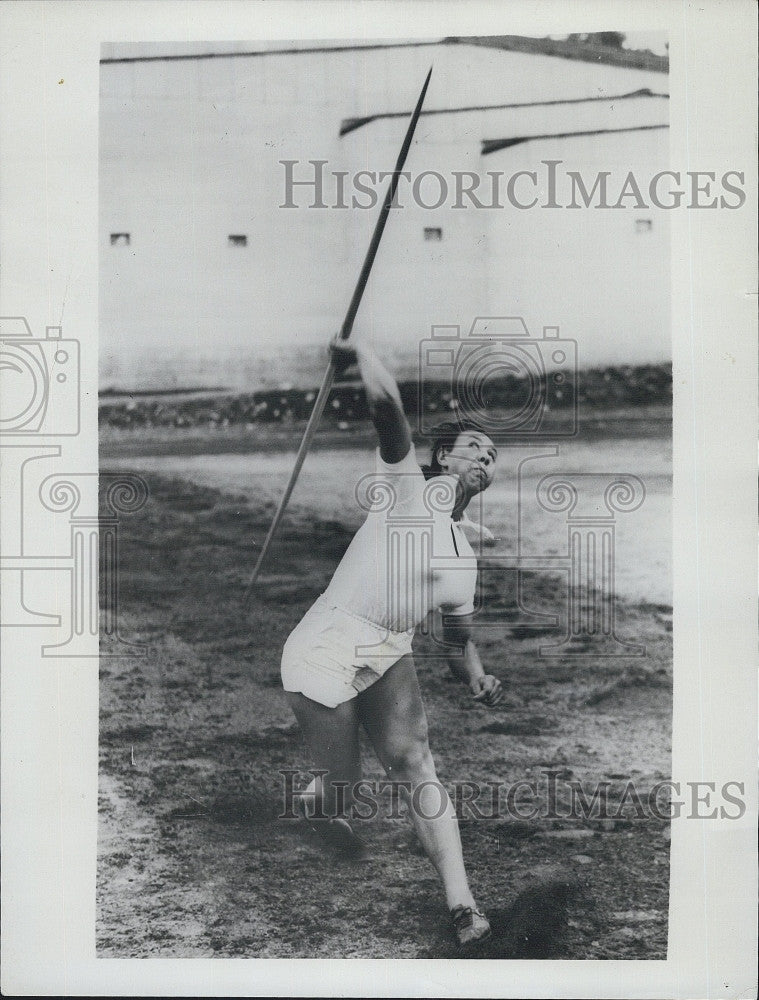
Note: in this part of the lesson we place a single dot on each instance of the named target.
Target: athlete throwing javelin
(349, 661)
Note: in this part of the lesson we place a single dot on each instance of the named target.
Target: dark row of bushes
(595, 388)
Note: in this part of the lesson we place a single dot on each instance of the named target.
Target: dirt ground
(193, 859)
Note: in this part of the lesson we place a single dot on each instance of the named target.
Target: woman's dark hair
(445, 435)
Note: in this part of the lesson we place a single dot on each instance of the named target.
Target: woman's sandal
(469, 925)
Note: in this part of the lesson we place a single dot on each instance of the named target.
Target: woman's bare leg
(392, 713)
(332, 737)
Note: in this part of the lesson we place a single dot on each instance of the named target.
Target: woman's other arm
(464, 661)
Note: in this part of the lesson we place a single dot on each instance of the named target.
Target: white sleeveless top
(409, 556)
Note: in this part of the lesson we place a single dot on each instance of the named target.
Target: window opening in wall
(120, 239)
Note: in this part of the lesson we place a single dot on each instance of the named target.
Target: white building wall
(190, 153)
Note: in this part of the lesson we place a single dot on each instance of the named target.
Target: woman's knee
(411, 760)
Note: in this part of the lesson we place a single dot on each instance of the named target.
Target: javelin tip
(420, 102)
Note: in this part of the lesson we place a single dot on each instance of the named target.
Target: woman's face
(472, 459)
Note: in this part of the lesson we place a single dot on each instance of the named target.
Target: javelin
(345, 332)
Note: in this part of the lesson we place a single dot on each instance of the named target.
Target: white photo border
(49, 84)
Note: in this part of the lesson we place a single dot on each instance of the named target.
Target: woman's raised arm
(383, 396)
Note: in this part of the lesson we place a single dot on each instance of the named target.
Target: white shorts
(332, 655)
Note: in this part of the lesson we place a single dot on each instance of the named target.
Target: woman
(349, 660)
